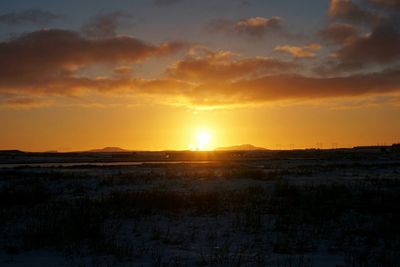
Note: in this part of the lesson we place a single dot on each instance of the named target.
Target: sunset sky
(160, 74)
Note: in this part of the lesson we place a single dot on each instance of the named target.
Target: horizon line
(218, 149)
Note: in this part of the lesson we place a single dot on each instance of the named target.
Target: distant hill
(246, 147)
(15, 151)
(108, 150)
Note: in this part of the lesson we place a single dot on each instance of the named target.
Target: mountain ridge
(108, 149)
(244, 147)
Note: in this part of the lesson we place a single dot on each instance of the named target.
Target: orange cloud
(257, 27)
(220, 79)
(49, 63)
(123, 70)
(223, 65)
(16, 101)
(307, 51)
(293, 87)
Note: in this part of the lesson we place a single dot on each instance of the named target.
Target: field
(328, 209)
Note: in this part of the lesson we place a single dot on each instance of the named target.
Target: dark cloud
(349, 11)
(380, 47)
(251, 27)
(50, 60)
(339, 33)
(361, 48)
(34, 16)
(293, 87)
(47, 63)
(104, 25)
(395, 4)
(221, 79)
(166, 2)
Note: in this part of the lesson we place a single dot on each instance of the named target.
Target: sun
(203, 139)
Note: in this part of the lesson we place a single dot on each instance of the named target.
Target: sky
(182, 74)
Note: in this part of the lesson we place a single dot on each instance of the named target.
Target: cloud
(104, 25)
(292, 87)
(307, 51)
(166, 2)
(395, 4)
(348, 11)
(265, 89)
(34, 16)
(257, 27)
(380, 47)
(49, 61)
(214, 79)
(17, 101)
(25, 102)
(219, 79)
(123, 70)
(224, 65)
(339, 33)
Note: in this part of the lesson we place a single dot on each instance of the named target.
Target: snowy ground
(275, 212)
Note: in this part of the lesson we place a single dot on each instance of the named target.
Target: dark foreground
(335, 210)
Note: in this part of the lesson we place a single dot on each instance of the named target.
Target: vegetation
(133, 217)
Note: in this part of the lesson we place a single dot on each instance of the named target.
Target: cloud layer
(50, 60)
(224, 65)
(360, 57)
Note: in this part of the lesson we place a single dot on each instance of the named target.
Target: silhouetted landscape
(174, 133)
(218, 208)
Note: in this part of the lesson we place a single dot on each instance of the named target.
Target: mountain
(240, 147)
(15, 151)
(108, 150)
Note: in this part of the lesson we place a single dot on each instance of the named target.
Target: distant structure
(373, 148)
(396, 147)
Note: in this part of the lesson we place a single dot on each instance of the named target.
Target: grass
(219, 227)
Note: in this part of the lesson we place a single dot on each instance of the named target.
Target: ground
(308, 211)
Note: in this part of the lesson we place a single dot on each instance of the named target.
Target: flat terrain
(309, 208)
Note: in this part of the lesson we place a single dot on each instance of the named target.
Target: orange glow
(166, 128)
